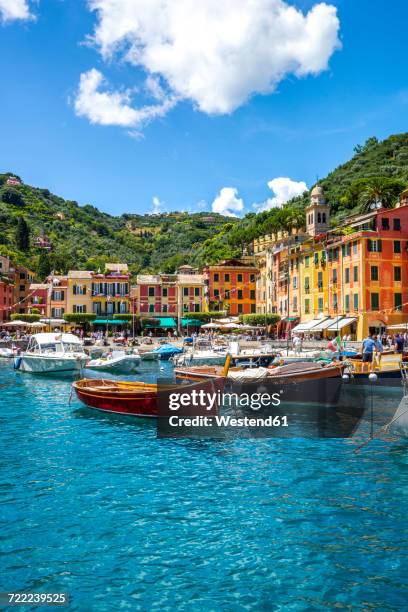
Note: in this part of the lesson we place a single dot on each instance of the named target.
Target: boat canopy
(54, 338)
(341, 323)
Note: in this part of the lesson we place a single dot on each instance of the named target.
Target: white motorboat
(148, 355)
(116, 361)
(52, 352)
(7, 353)
(202, 353)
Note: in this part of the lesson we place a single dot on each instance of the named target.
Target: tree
(12, 196)
(259, 319)
(44, 265)
(22, 235)
(379, 189)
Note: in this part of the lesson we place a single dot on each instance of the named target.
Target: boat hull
(49, 364)
(133, 399)
(119, 366)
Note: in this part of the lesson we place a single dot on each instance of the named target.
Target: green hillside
(377, 170)
(84, 237)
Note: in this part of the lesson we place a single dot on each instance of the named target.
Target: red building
(38, 302)
(6, 298)
(156, 294)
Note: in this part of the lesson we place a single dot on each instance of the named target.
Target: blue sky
(303, 129)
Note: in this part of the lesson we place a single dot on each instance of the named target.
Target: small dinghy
(116, 361)
(137, 399)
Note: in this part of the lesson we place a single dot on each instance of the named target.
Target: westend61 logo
(224, 410)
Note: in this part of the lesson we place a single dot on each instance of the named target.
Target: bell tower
(317, 212)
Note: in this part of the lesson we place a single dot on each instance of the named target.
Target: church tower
(317, 212)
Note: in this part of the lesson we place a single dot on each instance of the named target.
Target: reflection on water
(96, 506)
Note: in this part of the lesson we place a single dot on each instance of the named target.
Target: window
(374, 273)
(151, 292)
(294, 282)
(252, 294)
(320, 280)
(355, 274)
(79, 289)
(197, 291)
(375, 301)
(252, 278)
(227, 278)
(295, 303)
(253, 308)
(216, 293)
(79, 308)
(335, 301)
(334, 276)
(397, 273)
(22, 287)
(397, 300)
(307, 261)
(185, 307)
(196, 307)
(151, 307)
(374, 246)
(240, 309)
(307, 284)
(239, 292)
(185, 291)
(216, 278)
(397, 246)
(227, 294)
(164, 292)
(164, 308)
(385, 223)
(320, 304)
(307, 306)
(347, 303)
(355, 301)
(239, 278)
(347, 275)
(319, 218)
(324, 217)
(397, 225)
(355, 248)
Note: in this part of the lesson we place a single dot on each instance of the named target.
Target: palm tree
(379, 191)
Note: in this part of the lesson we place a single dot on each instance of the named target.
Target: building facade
(231, 287)
(111, 290)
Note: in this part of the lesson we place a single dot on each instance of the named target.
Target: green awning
(109, 322)
(191, 322)
(161, 322)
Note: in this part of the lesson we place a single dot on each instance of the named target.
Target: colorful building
(79, 292)
(352, 279)
(231, 287)
(111, 290)
(57, 306)
(38, 300)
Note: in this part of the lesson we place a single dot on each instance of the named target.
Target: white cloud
(227, 203)
(217, 53)
(14, 9)
(284, 189)
(113, 107)
(157, 205)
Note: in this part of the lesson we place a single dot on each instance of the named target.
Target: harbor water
(97, 507)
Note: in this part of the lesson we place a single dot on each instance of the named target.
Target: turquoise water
(97, 507)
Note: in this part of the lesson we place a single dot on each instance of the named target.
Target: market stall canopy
(109, 322)
(327, 323)
(306, 326)
(191, 322)
(15, 323)
(231, 326)
(53, 321)
(341, 323)
(36, 324)
(210, 326)
(162, 322)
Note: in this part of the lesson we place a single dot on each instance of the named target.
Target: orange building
(231, 286)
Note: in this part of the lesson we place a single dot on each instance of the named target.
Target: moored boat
(388, 368)
(132, 398)
(116, 361)
(49, 353)
(165, 351)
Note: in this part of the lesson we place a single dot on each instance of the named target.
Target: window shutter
(84, 289)
(62, 296)
(369, 245)
(84, 308)
(379, 243)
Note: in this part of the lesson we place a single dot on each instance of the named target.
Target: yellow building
(79, 292)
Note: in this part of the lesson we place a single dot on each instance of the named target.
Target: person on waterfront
(398, 344)
(297, 344)
(368, 348)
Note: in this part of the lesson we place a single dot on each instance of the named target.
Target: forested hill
(377, 171)
(83, 237)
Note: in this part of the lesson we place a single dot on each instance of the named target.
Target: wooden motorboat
(387, 366)
(291, 373)
(134, 398)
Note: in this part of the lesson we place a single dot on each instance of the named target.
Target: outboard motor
(17, 362)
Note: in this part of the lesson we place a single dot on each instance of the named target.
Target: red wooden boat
(133, 398)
